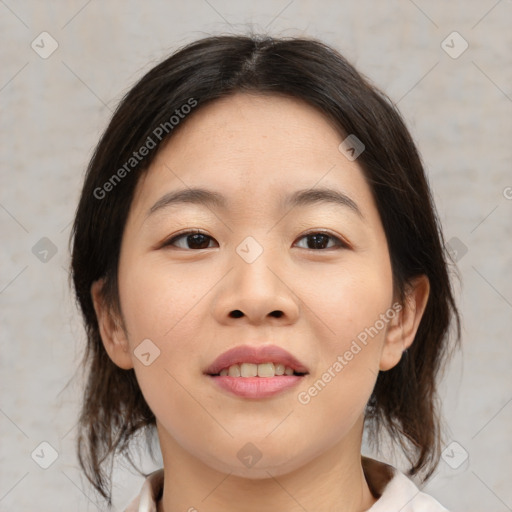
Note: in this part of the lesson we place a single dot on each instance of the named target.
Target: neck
(334, 480)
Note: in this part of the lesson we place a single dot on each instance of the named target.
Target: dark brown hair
(404, 400)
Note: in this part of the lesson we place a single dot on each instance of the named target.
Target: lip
(256, 355)
(256, 387)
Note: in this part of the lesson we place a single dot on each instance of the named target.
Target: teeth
(234, 371)
(248, 370)
(259, 370)
(266, 370)
(279, 368)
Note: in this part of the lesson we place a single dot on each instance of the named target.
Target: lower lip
(256, 387)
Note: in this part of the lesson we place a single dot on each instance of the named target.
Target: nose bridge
(253, 264)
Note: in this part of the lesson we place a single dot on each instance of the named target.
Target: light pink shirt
(397, 492)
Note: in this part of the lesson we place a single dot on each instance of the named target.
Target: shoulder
(395, 491)
(149, 493)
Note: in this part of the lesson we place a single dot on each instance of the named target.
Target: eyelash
(338, 241)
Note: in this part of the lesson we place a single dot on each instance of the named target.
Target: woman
(262, 275)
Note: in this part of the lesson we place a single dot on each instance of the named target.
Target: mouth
(256, 371)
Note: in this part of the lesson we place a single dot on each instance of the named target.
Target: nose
(257, 292)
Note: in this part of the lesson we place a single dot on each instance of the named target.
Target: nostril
(237, 314)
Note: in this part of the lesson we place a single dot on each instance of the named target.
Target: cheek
(348, 303)
(167, 307)
(350, 336)
(159, 302)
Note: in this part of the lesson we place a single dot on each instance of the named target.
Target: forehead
(254, 149)
(247, 123)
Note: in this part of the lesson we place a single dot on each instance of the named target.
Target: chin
(253, 461)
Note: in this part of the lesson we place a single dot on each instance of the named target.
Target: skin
(254, 149)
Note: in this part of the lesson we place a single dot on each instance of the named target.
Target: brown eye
(320, 240)
(192, 240)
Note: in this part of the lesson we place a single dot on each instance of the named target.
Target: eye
(320, 240)
(194, 239)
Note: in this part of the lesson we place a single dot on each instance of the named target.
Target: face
(311, 277)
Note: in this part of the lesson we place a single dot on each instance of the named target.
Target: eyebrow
(209, 198)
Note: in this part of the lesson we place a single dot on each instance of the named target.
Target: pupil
(196, 241)
(318, 244)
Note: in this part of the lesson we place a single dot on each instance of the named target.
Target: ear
(402, 328)
(112, 332)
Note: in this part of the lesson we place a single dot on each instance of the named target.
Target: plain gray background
(456, 101)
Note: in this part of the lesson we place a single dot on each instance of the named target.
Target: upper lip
(255, 355)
